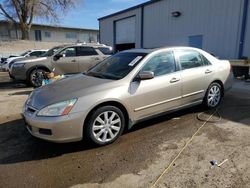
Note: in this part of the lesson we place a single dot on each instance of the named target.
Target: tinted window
(51, 52)
(105, 50)
(189, 59)
(86, 51)
(205, 61)
(117, 66)
(36, 54)
(25, 53)
(160, 64)
(69, 52)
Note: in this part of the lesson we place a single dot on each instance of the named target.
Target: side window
(189, 59)
(205, 60)
(86, 51)
(69, 52)
(160, 64)
(34, 54)
(105, 50)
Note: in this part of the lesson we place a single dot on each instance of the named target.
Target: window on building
(4, 32)
(190, 59)
(71, 35)
(195, 41)
(86, 51)
(47, 34)
(161, 64)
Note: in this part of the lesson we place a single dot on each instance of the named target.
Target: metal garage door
(125, 31)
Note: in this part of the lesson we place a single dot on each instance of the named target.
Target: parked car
(31, 53)
(67, 60)
(124, 89)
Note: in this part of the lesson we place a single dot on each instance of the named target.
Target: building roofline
(128, 9)
(55, 26)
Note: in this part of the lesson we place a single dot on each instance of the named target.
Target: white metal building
(221, 27)
(48, 33)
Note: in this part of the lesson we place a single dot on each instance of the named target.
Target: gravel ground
(138, 157)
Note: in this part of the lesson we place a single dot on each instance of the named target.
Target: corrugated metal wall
(218, 21)
(107, 27)
(246, 51)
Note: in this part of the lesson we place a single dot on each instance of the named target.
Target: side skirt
(132, 123)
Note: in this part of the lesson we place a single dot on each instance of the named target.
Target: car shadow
(17, 145)
(13, 85)
(21, 93)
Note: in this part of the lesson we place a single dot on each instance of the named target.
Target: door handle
(97, 58)
(73, 61)
(173, 80)
(208, 71)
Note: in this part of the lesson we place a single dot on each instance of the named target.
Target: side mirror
(146, 75)
(57, 56)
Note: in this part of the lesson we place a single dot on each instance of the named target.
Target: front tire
(36, 77)
(105, 125)
(213, 96)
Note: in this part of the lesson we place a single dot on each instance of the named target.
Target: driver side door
(162, 93)
(67, 62)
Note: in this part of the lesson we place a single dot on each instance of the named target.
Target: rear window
(86, 51)
(106, 51)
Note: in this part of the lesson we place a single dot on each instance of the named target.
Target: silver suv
(67, 59)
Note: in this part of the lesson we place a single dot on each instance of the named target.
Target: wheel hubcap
(214, 96)
(106, 126)
(37, 77)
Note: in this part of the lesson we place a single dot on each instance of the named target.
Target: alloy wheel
(214, 96)
(36, 77)
(106, 126)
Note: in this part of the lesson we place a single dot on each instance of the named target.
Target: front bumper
(61, 129)
(18, 73)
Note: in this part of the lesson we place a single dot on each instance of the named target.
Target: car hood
(13, 58)
(32, 60)
(65, 89)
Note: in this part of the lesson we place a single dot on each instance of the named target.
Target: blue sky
(86, 14)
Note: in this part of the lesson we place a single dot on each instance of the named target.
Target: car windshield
(116, 66)
(51, 52)
(25, 53)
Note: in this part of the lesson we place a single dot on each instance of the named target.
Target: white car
(31, 53)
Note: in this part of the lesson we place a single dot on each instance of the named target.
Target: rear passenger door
(87, 57)
(196, 75)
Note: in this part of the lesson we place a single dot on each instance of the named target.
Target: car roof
(150, 50)
(34, 50)
(94, 45)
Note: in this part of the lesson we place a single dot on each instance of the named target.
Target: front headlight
(58, 109)
(18, 65)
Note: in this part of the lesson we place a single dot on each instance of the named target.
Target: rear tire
(104, 126)
(213, 96)
(36, 77)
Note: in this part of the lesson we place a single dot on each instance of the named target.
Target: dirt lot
(138, 157)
